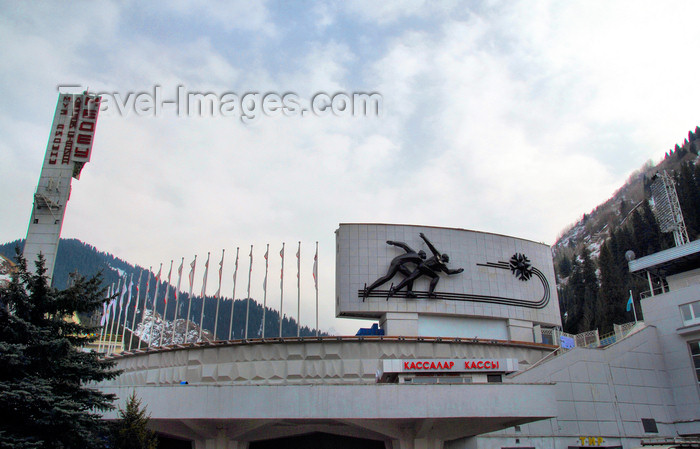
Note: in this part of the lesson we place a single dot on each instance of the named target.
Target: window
(649, 425)
(695, 354)
(690, 313)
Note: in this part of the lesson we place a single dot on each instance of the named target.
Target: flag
(266, 261)
(235, 269)
(629, 303)
(193, 264)
(148, 288)
(138, 292)
(131, 284)
(121, 297)
(282, 269)
(105, 312)
(298, 264)
(155, 295)
(179, 278)
(221, 271)
(315, 269)
(204, 280)
(167, 286)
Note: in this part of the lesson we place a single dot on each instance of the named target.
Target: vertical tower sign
(69, 148)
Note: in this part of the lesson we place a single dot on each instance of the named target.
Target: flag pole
(105, 320)
(153, 313)
(136, 310)
(247, 310)
(145, 298)
(299, 290)
(315, 273)
(218, 295)
(113, 305)
(126, 310)
(233, 298)
(165, 307)
(281, 288)
(177, 298)
(267, 253)
(119, 319)
(193, 265)
(204, 296)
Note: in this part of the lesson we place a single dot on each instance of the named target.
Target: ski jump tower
(69, 148)
(667, 208)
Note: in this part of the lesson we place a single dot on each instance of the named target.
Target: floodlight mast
(667, 208)
(68, 150)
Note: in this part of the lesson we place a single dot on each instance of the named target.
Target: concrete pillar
(399, 324)
(519, 330)
(537, 333)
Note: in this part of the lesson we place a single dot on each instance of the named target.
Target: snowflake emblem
(521, 267)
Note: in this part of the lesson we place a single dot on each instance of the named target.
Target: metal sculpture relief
(422, 266)
(521, 267)
(398, 265)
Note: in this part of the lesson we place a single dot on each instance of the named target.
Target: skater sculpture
(422, 266)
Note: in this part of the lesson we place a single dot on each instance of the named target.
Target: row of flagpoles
(114, 304)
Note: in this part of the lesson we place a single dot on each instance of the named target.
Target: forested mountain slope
(589, 257)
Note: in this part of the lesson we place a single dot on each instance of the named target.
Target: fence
(589, 339)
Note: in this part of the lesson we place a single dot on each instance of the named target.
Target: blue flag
(629, 304)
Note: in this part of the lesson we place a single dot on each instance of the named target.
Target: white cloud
(515, 118)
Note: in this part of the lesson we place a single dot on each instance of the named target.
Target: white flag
(204, 280)
(167, 286)
(315, 270)
(121, 297)
(138, 292)
(298, 264)
(282, 268)
(266, 262)
(221, 271)
(235, 273)
(179, 278)
(193, 264)
(105, 313)
(131, 284)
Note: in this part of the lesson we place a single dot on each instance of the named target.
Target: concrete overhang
(381, 411)
(669, 261)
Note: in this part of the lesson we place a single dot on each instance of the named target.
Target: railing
(590, 339)
(648, 293)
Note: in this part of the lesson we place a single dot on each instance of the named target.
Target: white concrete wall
(602, 393)
(309, 362)
(363, 256)
(683, 280)
(663, 312)
(439, 326)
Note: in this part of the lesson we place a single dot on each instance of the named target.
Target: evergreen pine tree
(131, 431)
(44, 399)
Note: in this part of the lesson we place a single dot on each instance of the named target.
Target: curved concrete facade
(244, 391)
(305, 361)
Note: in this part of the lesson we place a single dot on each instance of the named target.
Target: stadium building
(467, 353)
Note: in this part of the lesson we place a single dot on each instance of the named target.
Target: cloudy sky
(508, 117)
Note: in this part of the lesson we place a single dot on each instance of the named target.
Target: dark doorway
(165, 442)
(317, 440)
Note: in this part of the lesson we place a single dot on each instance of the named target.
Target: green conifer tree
(45, 400)
(131, 430)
